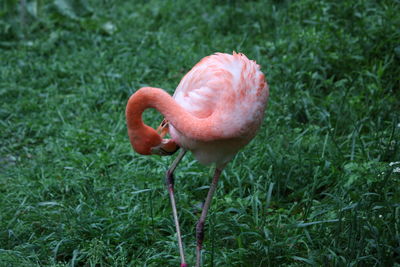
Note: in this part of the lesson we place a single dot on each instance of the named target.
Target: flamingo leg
(169, 180)
(200, 223)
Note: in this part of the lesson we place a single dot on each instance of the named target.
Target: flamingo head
(148, 142)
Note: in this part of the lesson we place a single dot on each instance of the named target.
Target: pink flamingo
(216, 110)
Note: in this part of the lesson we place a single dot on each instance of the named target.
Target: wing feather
(231, 85)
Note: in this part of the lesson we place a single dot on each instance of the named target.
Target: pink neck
(184, 122)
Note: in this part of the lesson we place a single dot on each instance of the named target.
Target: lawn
(319, 185)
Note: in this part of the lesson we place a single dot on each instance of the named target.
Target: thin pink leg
(200, 223)
(169, 179)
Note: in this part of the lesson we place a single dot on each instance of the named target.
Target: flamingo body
(233, 88)
(216, 109)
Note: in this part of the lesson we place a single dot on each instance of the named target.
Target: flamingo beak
(167, 147)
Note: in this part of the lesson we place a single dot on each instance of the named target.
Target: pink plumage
(229, 89)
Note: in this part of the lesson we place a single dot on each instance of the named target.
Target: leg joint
(169, 179)
(200, 232)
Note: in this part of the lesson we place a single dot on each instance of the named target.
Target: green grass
(315, 187)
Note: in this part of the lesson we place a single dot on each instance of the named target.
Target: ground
(319, 185)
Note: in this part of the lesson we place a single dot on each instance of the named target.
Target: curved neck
(189, 125)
